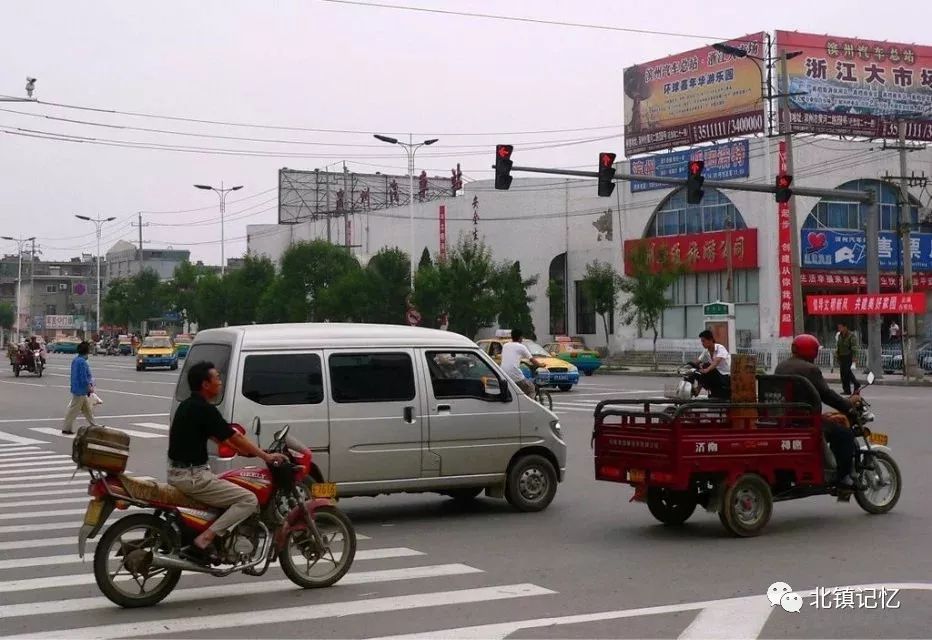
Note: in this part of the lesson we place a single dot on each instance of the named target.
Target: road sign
(413, 317)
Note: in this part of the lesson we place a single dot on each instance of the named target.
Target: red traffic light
(503, 151)
(696, 167)
(784, 181)
(606, 159)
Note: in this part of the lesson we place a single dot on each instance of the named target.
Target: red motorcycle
(139, 559)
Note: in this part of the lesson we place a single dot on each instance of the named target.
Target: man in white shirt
(714, 367)
(512, 354)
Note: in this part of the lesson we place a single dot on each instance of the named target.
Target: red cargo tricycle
(737, 459)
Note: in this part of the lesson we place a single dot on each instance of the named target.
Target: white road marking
(59, 418)
(42, 526)
(125, 380)
(19, 440)
(50, 492)
(61, 386)
(36, 467)
(49, 476)
(300, 613)
(42, 514)
(43, 542)
(80, 479)
(51, 561)
(557, 407)
(43, 502)
(240, 590)
(21, 460)
(57, 432)
(152, 425)
(22, 451)
(736, 618)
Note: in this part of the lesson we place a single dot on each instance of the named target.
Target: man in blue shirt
(82, 385)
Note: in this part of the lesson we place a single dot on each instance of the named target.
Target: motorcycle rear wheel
(152, 535)
(304, 567)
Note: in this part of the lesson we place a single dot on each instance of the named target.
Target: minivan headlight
(556, 429)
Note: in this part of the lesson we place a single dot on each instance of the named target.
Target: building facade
(124, 260)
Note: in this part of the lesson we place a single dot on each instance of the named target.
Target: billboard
(857, 87)
(697, 96)
(847, 249)
(701, 252)
(870, 304)
(59, 322)
(722, 162)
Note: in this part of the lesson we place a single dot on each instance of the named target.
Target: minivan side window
(460, 374)
(288, 378)
(219, 354)
(371, 377)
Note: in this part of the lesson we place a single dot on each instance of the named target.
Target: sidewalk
(888, 380)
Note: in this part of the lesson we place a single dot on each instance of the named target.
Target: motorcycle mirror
(870, 378)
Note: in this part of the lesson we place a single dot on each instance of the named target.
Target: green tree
(142, 299)
(180, 293)
(243, 288)
(647, 290)
(468, 278)
(425, 260)
(601, 284)
(514, 302)
(429, 295)
(116, 303)
(7, 315)
(389, 274)
(210, 304)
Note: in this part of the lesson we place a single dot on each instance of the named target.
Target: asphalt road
(593, 565)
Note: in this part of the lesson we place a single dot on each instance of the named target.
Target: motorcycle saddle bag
(100, 449)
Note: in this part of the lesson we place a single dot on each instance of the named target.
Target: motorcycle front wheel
(312, 568)
(880, 486)
(123, 561)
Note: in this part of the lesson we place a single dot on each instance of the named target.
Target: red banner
(831, 280)
(866, 304)
(785, 257)
(443, 232)
(701, 251)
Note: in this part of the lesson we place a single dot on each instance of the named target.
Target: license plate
(878, 438)
(324, 490)
(95, 509)
(636, 475)
(558, 377)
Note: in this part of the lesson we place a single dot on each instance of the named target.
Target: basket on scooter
(101, 449)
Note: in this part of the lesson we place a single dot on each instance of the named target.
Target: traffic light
(784, 193)
(606, 174)
(694, 182)
(503, 166)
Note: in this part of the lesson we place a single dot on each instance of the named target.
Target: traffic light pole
(798, 326)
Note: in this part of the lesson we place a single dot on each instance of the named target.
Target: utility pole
(798, 325)
(98, 223)
(19, 281)
(32, 283)
(874, 358)
(910, 364)
(142, 256)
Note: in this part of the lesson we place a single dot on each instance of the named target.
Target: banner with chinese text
(701, 251)
(847, 249)
(857, 87)
(785, 257)
(866, 304)
(823, 280)
(722, 162)
(697, 96)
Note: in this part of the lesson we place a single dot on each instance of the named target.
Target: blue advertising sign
(846, 249)
(722, 162)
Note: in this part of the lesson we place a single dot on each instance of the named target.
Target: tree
(243, 287)
(514, 303)
(7, 315)
(181, 292)
(116, 302)
(647, 289)
(389, 275)
(210, 303)
(468, 278)
(429, 295)
(142, 299)
(425, 260)
(600, 285)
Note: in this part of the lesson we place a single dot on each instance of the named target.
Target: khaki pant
(78, 404)
(202, 485)
(526, 386)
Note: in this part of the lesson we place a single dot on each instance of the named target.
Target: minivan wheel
(531, 483)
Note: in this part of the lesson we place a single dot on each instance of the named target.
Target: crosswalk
(153, 430)
(47, 591)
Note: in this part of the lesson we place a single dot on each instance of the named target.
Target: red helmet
(806, 346)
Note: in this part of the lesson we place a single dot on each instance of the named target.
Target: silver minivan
(387, 409)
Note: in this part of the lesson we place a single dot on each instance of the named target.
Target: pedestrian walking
(845, 349)
(894, 331)
(82, 386)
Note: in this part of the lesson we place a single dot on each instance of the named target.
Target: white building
(555, 226)
(123, 261)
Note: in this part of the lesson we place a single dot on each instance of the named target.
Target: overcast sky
(315, 64)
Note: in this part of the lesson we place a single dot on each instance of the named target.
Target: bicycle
(541, 395)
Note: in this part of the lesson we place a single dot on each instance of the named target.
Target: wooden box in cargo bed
(100, 449)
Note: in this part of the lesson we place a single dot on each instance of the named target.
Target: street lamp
(410, 149)
(223, 207)
(98, 223)
(19, 277)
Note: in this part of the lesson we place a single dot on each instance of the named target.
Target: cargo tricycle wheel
(670, 507)
(747, 506)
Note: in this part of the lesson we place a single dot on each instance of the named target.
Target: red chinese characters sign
(785, 257)
(823, 280)
(443, 232)
(702, 251)
(866, 304)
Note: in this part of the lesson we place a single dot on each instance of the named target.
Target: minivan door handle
(409, 415)
(443, 408)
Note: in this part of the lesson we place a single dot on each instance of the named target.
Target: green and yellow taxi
(554, 372)
(156, 350)
(576, 353)
(183, 344)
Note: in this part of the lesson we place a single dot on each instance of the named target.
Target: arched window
(836, 214)
(674, 217)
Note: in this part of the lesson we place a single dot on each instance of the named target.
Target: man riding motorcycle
(840, 438)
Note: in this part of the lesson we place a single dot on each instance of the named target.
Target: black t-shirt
(195, 421)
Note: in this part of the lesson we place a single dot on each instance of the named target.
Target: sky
(317, 64)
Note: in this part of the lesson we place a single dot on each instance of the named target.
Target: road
(593, 565)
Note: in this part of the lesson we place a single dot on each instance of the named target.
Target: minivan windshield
(218, 354)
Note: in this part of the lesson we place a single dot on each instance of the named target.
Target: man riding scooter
(840, 438)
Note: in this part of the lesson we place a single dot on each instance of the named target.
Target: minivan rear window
(371, 377)
(219, 354)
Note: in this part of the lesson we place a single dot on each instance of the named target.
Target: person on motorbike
(840, 438)
(197, 420)
(714, 367)
(512, 354)
(34, 346)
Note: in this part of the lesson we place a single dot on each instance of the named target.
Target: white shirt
(724, 365)
(512, 354)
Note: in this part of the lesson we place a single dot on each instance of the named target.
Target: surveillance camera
(30, 85)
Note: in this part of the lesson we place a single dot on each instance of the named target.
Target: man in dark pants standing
(845, 350)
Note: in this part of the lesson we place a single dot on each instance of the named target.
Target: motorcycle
(140, 558)
(28, 361)
(689, 384)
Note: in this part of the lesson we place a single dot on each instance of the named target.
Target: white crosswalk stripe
(13, 439)
(57, 433)
(47, 590)
(152, 425)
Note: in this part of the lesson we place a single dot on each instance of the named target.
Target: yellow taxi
(575, 351)
(554, 372)
(157, 350)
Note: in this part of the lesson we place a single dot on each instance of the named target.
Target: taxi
(156, 350)
(183, 344)
(554, 372)
(575, 352)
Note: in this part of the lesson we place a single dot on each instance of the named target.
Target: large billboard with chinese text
(697, 96)
(847, 249)
(701, 251)
(857, 87)
(722, 162)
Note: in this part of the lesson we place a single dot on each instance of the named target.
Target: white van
(388, 409)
